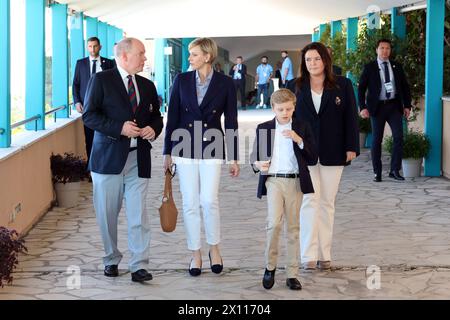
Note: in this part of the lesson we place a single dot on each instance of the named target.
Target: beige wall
(419, 124)
(446, 138)
(26, 177)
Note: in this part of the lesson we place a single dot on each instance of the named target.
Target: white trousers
(317, 213)
(199, 186)
(109, 192)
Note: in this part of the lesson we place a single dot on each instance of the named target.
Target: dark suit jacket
(335, 127)
(263, 146)
(337, 70)
(243, 71)
(370, 81)
(82, 75)
(185, 113)
(106, 109)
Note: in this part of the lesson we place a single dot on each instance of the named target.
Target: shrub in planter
(364, 125)
(68, 168)
(67, 172)
(416, 145)
(364, 130)
(10, 247)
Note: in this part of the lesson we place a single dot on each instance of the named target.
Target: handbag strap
(170, 173)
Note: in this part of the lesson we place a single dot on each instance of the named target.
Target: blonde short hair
(207, 45)
(282, 96)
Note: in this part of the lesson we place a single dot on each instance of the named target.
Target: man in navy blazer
(123, 109)
(388, 99)
(238, 72)
(84, 69)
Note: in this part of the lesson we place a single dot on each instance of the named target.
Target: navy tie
(387, 77)
(132, 93)
(94, 67)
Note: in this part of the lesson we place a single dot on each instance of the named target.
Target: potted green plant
(10, 247)
(416, 146)
(68, 171)
(364, 129)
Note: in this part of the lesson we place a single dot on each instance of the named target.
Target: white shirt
(98, 64)
(237, 75)
(124, 75)
(283, 157)
(383, 79)
(317, 99)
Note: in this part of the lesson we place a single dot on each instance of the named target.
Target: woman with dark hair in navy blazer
(327, 103)
(195, 138)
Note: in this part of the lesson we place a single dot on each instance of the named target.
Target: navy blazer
(106, 109)
(263, 146)
(370, 81)
(82, 75)
(196, 120)
(335, 127)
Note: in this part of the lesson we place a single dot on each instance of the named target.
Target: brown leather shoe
(309, 265)
(324, 265)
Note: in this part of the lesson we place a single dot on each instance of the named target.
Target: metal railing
(36, 118)
(28, 120)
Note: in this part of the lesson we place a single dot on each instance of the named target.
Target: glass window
(17, 62)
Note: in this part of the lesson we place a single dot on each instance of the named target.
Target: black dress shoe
(141, 275)
(268, 279)
(377, 178)
(111, 270)
(396, 175)
(195, 272)
(293, 284)
(216, 268)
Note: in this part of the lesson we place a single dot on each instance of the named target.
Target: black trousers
(88, 138)
(387, 112)
(239, 84)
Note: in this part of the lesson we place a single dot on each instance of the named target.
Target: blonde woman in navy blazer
(327, 103)
(198, 100)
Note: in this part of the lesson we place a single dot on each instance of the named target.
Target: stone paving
(401, 227)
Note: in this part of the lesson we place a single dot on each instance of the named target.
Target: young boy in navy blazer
(282, 149)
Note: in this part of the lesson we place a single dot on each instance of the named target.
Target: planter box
(411, 167)
(67, 194)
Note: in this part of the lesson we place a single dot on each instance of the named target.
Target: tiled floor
(401, 227)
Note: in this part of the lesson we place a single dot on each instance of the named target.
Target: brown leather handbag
(168, 212)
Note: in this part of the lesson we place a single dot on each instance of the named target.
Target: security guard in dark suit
(84, 69)
(388, 100)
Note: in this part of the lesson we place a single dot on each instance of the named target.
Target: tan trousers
(284, 199)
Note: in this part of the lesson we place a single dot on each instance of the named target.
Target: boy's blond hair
(282, 96)
(207, 45)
